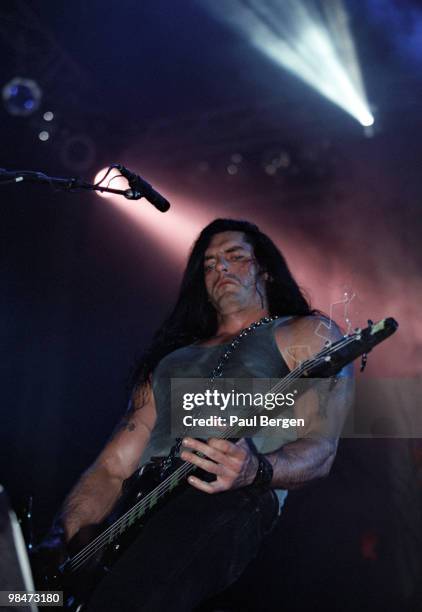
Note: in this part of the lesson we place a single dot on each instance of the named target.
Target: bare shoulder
(301, 337)
(316, 328)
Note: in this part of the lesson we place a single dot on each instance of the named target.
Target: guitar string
(107, 536)
(163, 485)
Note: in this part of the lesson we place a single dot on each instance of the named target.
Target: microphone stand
(71, 184)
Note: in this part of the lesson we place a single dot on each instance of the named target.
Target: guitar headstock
(330, 360)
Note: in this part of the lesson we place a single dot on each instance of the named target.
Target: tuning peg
(370, 322)
(363, 361)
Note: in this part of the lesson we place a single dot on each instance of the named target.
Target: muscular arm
(98, 489)
(301, 462)
(311, 456)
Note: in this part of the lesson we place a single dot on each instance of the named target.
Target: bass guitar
(155, 482)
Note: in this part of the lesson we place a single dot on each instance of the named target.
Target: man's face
(231, 273)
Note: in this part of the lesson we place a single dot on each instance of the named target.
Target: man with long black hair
(236, 281)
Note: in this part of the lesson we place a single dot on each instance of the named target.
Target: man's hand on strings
(234, 464)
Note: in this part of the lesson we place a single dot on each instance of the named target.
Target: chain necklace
(218, 370)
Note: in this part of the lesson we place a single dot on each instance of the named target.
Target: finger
(211, 451)
(224, 446)
(206, 487)
(197, 445)
(202, 462)
(235, 451)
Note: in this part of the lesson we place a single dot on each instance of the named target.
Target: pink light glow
(174, 230)
(324, 277)
(114, 180)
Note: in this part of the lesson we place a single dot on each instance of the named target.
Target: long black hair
(194, 318)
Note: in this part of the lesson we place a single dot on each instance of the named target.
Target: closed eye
(229, 257)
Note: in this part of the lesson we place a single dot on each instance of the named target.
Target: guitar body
(89, 563)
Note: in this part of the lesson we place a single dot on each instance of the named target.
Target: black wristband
(264, 474)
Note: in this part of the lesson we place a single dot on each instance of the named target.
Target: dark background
(173, 94)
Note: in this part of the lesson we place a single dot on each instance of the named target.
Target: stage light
(44, 135)
(48, 116)
(174, 230)
(21, 97)
(114, 180)
(367, 120)
(314, 43)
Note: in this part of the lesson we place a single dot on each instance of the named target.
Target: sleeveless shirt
(257, 356)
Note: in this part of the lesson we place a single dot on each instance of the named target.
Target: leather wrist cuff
(264, 474)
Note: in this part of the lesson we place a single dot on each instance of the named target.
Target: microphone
(139, 188)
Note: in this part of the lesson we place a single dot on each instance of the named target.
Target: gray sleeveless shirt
(257, 356)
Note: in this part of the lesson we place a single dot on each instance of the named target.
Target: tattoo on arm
(126, 423)
(300, 462)
(136, 402)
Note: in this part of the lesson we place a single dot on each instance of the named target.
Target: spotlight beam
(313, 41)
(175, 233)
